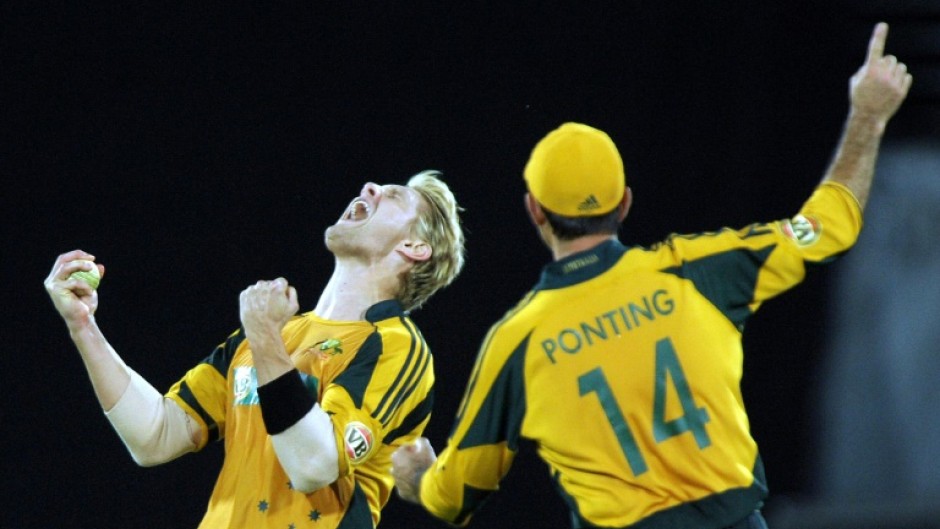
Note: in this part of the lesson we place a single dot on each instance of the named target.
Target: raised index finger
(876, 46)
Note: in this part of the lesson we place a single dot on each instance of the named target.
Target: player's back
(632, 391)
(624, 366)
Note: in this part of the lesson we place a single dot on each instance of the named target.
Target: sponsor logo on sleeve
(246, 386)
(804, 231)
(358, 440)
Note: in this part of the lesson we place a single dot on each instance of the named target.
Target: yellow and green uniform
(373, 377)
(623, 366)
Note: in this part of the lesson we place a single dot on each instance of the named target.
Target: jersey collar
(581, 266)
(384, 310)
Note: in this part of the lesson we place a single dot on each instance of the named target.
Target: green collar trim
(580, 267)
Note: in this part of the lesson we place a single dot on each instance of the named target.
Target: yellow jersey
(374, 378)
(623, 366)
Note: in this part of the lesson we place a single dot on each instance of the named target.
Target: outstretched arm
(876, 92)
(153, 428)
(76, 301)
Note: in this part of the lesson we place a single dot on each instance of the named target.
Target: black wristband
(284, 401)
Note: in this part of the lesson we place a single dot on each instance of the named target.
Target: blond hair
(438, 224)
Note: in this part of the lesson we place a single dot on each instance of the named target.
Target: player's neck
(561, 249)
(353, 288)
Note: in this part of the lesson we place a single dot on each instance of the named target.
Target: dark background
(197, 148)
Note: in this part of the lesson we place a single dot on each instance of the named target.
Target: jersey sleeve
(740, 269)
(203, 390)
(485, 437)
(383, 397)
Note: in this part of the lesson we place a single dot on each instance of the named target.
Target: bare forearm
(269, 355)
(854, 161)
(108, 373)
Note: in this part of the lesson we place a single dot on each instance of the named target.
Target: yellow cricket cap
(576, 171)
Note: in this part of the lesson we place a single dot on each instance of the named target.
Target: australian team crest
(332, 347)
(326, 348)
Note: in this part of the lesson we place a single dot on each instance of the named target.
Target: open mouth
(358, 210)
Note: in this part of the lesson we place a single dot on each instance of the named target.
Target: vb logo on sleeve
(358, 440)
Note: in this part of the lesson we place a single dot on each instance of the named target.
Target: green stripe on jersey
(726, 279)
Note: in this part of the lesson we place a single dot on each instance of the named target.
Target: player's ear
(625, 203)
(534, 209)
(414, 250)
